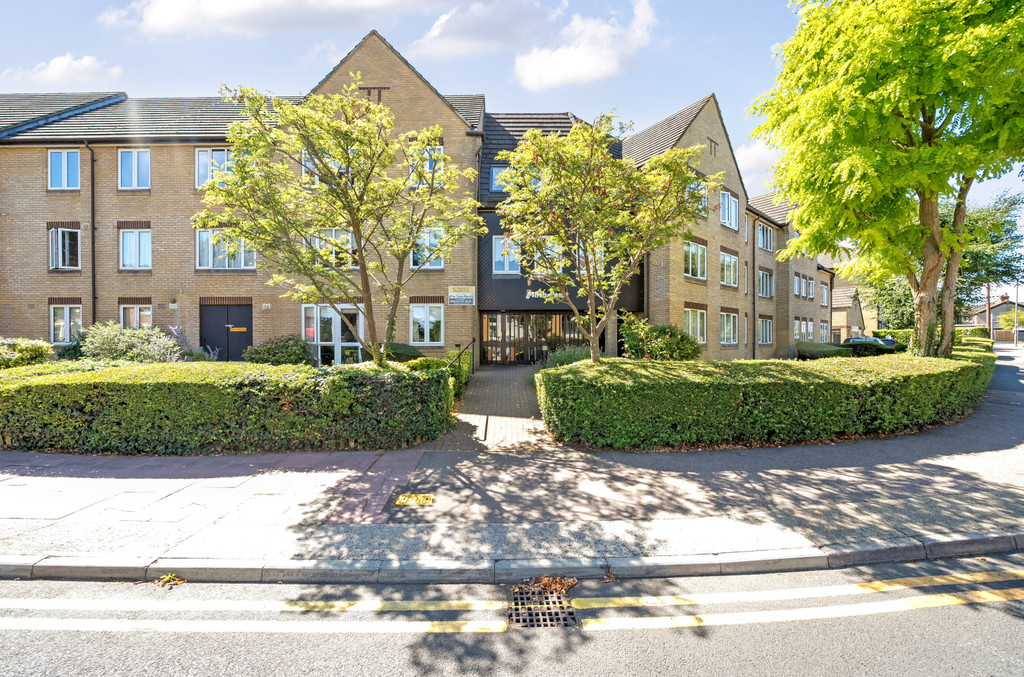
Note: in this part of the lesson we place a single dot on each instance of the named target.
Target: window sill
(729, 346)
(65, 271)
(63, 191)
(735, 287)
(698, 280)
(135, 271)
(505, 275)
(229, 271)
(426, 269)
(135, 191)
(427, 345)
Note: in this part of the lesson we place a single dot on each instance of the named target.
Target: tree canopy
(883, 108)
(583, 219)
(342, 209)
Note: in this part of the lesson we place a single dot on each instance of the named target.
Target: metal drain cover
(540, 609)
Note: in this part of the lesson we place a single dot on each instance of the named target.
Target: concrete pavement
(510, 503)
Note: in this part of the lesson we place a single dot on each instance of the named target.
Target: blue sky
(644, 58)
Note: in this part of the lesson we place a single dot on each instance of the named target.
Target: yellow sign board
(415, 499)
(239, 329)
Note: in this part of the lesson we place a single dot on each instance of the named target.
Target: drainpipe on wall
(92, 223)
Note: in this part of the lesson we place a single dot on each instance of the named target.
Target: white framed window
(730, 329)
(136, 249)
(330, 339)
(824, 295)
(210, 160)
(765, 237)
(62, 171)
(421, 172)
(426, 324)
(730, 210)
(810, 330)
(803, 287)
(133, 168)
(214, 253)
(746, 335)
(746, 278)
(823, 326)
(423, 255)
(701, 191)
(730, 266)
(65, 322)
(136, 317)
(810, 289)
(695, 260)
(764, 331)
(496, 171)
(695, 324)
(333, 239)
(504, 255)
(65, 249)
(796, 285)
(765, 284)
(746, 227)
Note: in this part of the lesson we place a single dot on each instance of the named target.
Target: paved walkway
(503, 497)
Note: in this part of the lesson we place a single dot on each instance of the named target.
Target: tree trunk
(949, 304)
(926, 292)
(595, 347)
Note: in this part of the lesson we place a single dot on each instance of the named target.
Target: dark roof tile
(766, 204)
(24, 110)
(662, 135)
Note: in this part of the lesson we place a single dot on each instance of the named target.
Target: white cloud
(587, 50)
(485, 27)
(251, 17)
(63, 71)
(754, 160)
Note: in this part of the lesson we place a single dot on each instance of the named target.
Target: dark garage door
(227, 329)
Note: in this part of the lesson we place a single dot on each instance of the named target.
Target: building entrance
(526, 338)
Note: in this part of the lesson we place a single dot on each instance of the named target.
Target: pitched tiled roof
(776, 212)
(661, 136)
(469, 106)
(20, 111)
(842, 297)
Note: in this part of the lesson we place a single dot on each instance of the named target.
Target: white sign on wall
(462, 296)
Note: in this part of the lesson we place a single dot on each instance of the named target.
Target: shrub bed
(176, 408)
(15, 352)
(905, 336)
(648, 404)
(280, 350)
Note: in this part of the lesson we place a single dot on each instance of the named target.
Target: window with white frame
(222, 253)
(765, 284)
(803, 287)
(765, 237)
(695, 260)
(422, 172)
(424, 256)
(695, 324)
(746, 227)
(804, 331)
(136, 250)
(496, 185)
(331, 340)
(764, 331)
(810, 289)
(65, 249)
(810, 330)
(796, 285)
(746, 278)
(730, 210)
(136, 317)
(796, 331)
(730, 328)
(824, 295)
(823, 326)
(133, 168)
(504, 255)
(210, 160)
(426, 324)
(65, 322)
(62, 170)
(730, 266)
(332, 241)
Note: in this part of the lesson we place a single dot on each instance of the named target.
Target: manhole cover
(540, 609)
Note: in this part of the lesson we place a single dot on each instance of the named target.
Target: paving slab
(100, 568)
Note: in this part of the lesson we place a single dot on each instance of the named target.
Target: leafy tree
(1011, 320)
(883, 108)
(337, 204)
(583, 220)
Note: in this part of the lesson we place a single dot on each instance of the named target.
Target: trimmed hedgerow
(809, 350)
(648, 404)
(905, 336)
(461, 370)
(280, 350)
(15, 352)
(179, 408)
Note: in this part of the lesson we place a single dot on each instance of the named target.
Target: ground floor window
(730, 329)
(764, 331)
(331, 339)
(65, 322)
(426, 325)
(695, 324)
(824, 330)
(136, 317)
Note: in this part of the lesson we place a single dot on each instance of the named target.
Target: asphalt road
(957, 617)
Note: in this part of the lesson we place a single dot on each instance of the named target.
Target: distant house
(847, 315)
(979, 314)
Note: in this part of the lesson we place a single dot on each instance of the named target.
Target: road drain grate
(529, 608)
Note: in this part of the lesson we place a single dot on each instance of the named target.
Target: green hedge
(174, 408)
(648, 404)
(462, 370)
(280, 350)
(809, 350)
(15, 352)
(905, 336)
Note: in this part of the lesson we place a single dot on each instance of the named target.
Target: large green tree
(341, 208)
(583, 220)
(883, 108)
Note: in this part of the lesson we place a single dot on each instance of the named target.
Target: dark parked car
(871, 339)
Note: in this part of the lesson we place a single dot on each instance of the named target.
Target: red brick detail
(695, 306)
(225, 300)
(426, 299)
(134, 300)
(64, 301)
(74, 225)
(133, 225)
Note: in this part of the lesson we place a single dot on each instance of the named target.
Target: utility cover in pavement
(528, 608)
(415, 499)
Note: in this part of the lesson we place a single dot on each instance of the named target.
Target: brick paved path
(498, 412)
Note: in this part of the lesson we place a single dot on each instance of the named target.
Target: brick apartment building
(97, 193)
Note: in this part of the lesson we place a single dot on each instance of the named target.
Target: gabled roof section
(776, 211)
(470, 107)
(662, 135)
(22, 112)
(843, 297)
(398, 54)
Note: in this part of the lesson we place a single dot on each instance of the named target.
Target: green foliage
(15, 352)
(808, 350)
(565, 355)
(280, 350)
(583, 220)
(461, 370)
(643, 340)
(1010, 320)
(110, 341)
(72, 350)
(401, 352)
(648, 404)
(884, 108)
(183, 408)
(337, 203)
(906, 336)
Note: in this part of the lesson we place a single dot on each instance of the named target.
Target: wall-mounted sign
(462, 296)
